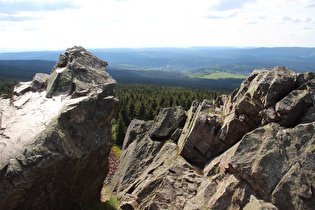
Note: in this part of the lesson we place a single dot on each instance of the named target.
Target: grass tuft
(117, 150)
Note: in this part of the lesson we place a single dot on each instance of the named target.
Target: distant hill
(225, 66)
(24, 69)
(190, 59)
(171, 78)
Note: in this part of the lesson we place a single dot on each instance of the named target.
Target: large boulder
(167, 121)
(54, 142)
(135, 128)
(291, 106)
(197, 142)
(39, 82)
(262, 89)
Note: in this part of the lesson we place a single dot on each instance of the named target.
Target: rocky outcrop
(278, 164)
(56, 135)
(253, 149)
(268, 95)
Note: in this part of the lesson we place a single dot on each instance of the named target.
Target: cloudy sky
(59, 24)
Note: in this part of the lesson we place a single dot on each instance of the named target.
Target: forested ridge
(144, 101)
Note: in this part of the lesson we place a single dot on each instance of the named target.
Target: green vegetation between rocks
(112, 204)
(117, 150)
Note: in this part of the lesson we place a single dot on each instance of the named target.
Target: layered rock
(253, 149)
(56, 135)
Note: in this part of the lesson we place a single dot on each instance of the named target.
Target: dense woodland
(144, 101)
(6, 86)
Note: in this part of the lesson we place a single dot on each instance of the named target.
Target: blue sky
(59, 24)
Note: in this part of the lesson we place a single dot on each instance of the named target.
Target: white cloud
(13, 7)
(224, 5)
(146, 23)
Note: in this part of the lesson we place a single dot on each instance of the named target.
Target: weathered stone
(219, 103)
(262, 89)
(21, 88)
(145, 176)
(251, 104)
(269, 115)
(199, 145)
(175, 136)
(171, 186)
(255, 204)
(39, 82)
(309, 115)
(231, 193)
(167, 121)
(291, 106)
(234, 127)
(304, 77)
(72, 74)
(267, 159)
(134, 160)
(135, 128)
(59, 82)
(54, 150)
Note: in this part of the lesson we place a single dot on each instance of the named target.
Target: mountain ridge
(190, 58)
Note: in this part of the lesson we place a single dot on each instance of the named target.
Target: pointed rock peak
(77, 73)
(79, 55)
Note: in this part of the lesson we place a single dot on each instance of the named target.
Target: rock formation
(56, 135)
(253, 149)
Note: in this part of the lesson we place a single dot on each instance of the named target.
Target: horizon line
(16, 50)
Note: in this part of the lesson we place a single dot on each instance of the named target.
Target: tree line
(144, 101)
(7, 85)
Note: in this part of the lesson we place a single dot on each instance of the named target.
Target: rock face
(268, 95)
(253, 149)
(56, 135)
(168, 120)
